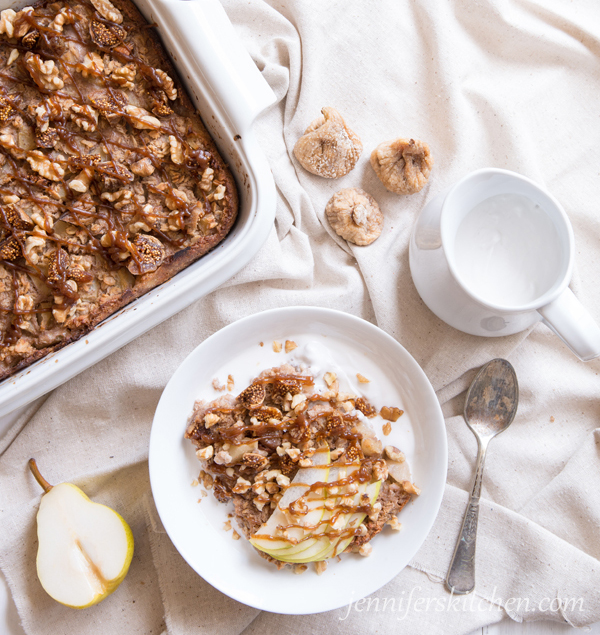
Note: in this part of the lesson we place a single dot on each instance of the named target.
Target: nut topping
(44, 74)
(108, 11)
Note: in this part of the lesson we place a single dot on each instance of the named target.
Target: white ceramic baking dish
(230, 93)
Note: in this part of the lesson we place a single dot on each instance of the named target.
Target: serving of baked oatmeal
(109, 181)
(307, 476)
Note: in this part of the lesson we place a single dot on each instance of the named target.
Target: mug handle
(568, 318)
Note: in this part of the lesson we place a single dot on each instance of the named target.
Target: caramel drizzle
(197, 159)
(363, 474)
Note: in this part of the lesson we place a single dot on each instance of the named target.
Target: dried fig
(328, 147)
(402, 165)
(355, 216)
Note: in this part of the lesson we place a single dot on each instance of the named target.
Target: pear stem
(38, 477)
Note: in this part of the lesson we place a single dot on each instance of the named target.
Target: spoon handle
(461, 575)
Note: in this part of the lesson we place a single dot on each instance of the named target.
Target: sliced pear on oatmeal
(354, 521)
(270, 537)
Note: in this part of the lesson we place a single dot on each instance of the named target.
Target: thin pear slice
(322, 542)
(354, 520)
(85, 548)
(266, 538)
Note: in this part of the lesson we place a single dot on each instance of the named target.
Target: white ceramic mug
(493, 254)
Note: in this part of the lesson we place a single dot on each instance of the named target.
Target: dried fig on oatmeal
(355, 216)
(402, 165)
(328, 147)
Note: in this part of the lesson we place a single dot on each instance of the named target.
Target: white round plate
(196, 529)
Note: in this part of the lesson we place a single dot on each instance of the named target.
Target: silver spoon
(490, 407)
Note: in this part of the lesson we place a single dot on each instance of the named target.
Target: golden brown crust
(109, 182)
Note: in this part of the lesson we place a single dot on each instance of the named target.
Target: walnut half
(355, 216)
(328, 147)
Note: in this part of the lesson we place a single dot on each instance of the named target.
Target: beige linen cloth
(508, 83)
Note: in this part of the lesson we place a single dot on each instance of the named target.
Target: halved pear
(265, 539)
(85, 548)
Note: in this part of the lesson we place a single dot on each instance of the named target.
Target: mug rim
(542, 300)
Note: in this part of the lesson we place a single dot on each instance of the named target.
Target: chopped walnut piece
(143, 167)
(235, 535)
(387, 428)
(7, 21)
(167, 84)
(362, 379)
(290, 346)
(260, 501)
(222, 457)
(371, 446)
(44, 74)
(205, 453)
(394, 524)
(211, 419)
(330, 378)
(298, 399)
(44, 167)
(365, 549)
(108, 11)
(141, 118)
(176, 150)
(81, 182)
(320, 566)
(14, 54)
(241, 486)
(394, 454)
(230, 383)
(282, 480)
(92, 65)
(85, 117)
(410, 488)
(391, 414)
(64, 16)
(277, 347)
(299, 569)
(227, 525)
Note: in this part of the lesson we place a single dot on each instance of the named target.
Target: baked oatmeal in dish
(307, 476)
(109, 182)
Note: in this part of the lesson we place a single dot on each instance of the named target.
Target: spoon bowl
(492, 399)
(490, 407)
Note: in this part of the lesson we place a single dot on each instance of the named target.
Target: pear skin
(85, 548)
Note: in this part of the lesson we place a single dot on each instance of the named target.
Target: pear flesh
(85, 548)
(265, 538)
(313, 540)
